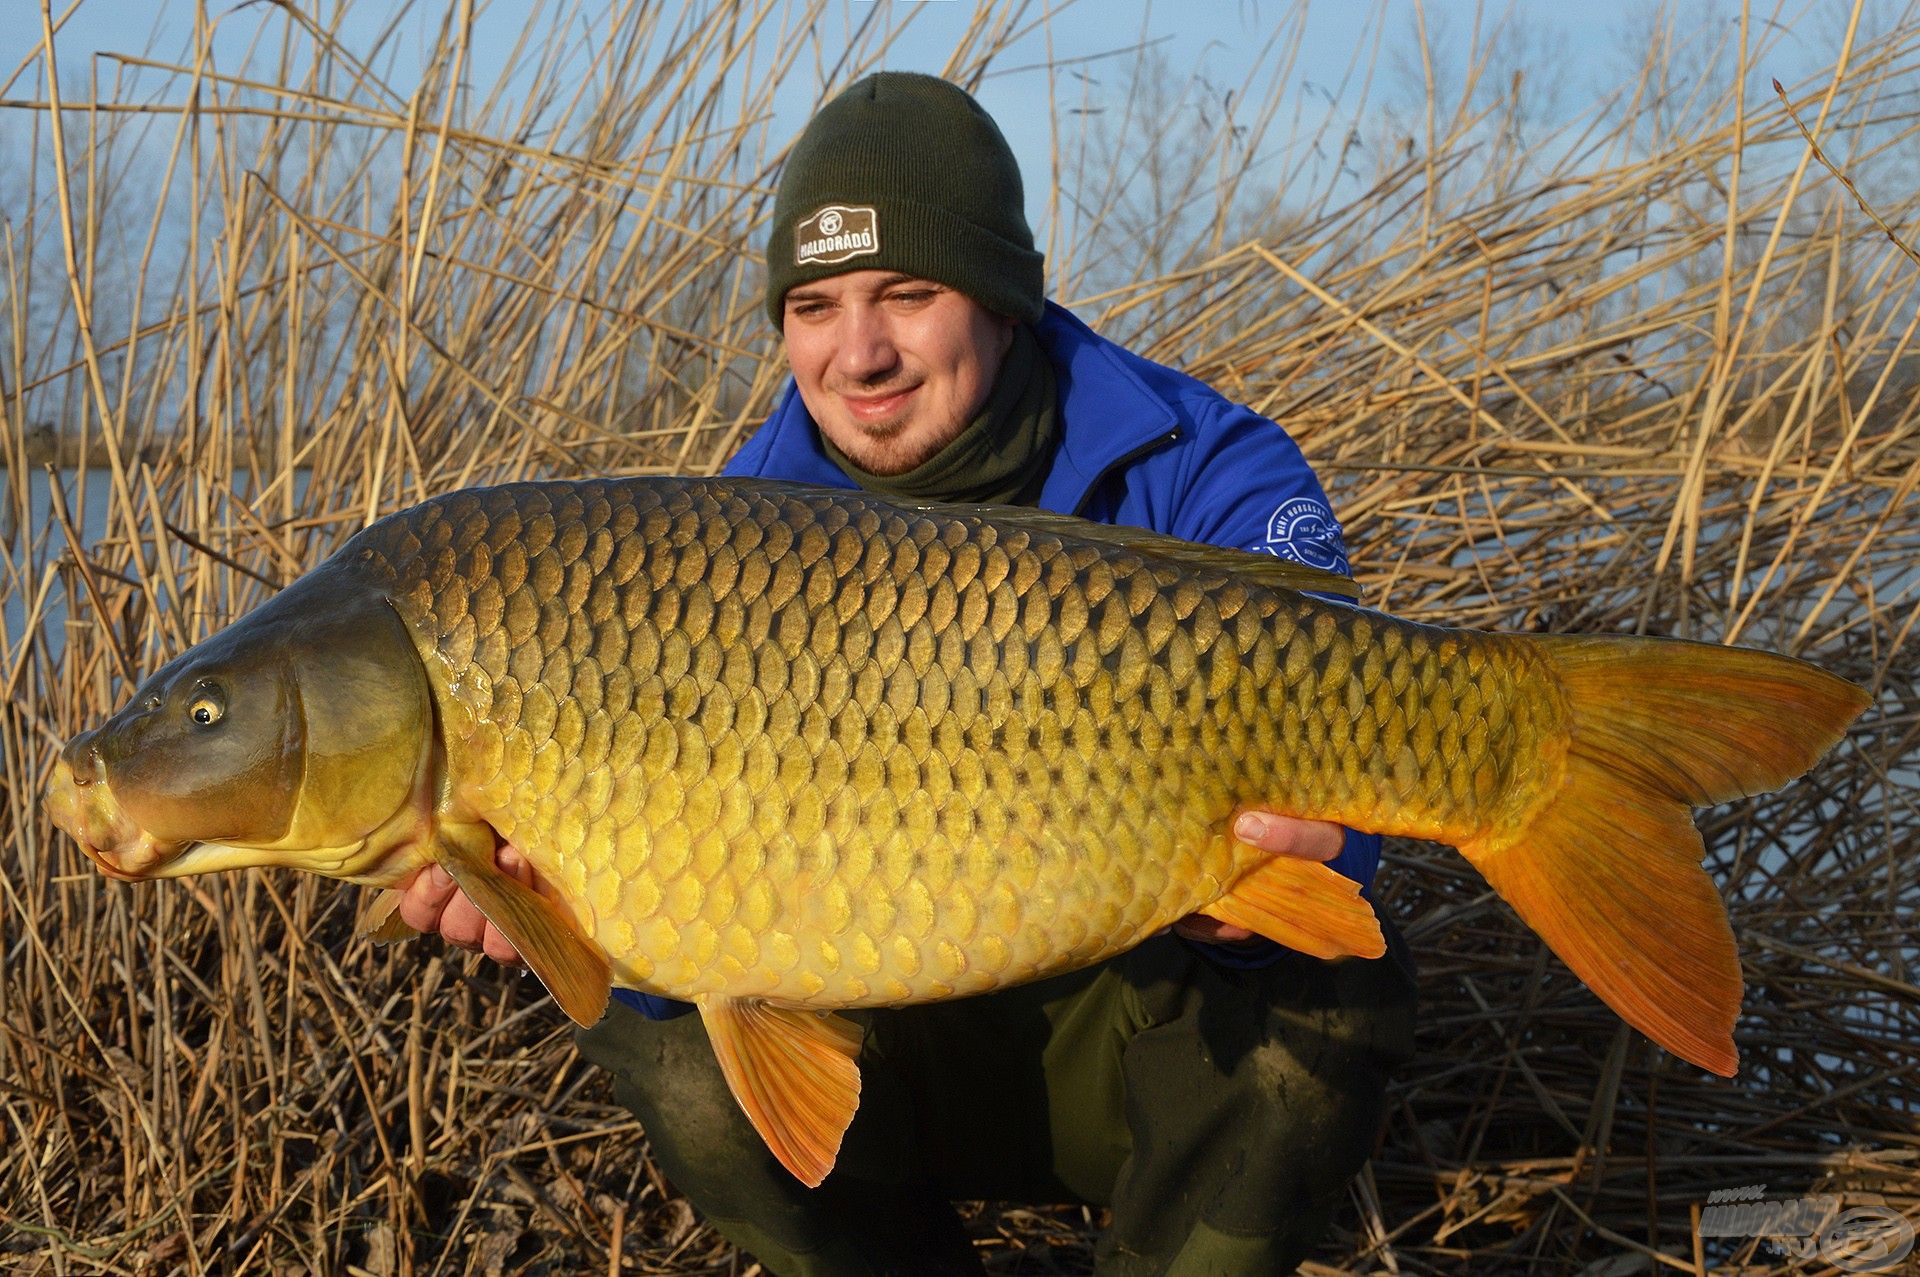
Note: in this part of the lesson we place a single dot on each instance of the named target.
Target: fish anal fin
(795, 1075)
(1303, 905)
(573, 967)
(380, 921)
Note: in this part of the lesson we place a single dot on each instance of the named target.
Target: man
(1216, 1091)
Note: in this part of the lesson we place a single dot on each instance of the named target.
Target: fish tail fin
(1607, 869)
(1304, 905)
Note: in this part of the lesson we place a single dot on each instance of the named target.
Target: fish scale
(813, 748)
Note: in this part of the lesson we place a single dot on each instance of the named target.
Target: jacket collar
(1107, 414)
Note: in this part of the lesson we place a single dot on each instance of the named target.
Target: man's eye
(913, 296)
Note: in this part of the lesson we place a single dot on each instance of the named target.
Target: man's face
(891, 367)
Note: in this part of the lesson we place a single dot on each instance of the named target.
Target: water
(27, 553)
(30, 549)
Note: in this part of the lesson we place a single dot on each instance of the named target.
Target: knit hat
(905, 172)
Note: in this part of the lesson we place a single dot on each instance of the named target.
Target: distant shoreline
(44, 446)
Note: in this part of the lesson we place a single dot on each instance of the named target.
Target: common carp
(782, 751)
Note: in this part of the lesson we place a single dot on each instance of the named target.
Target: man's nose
(866, 351)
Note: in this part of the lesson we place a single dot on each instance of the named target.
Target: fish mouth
(84, 806)
(104, 862)
(88, 812)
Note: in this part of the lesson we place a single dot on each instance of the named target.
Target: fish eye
(207, 707)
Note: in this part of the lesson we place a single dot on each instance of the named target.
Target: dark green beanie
(905, 172)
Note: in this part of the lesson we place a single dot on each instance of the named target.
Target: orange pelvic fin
(380, 921)
(573, 967)
(794, 1073)
(1304, 905)
(1607, 870)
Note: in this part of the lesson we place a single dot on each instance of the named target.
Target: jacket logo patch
(835, 234)
(1305, 531)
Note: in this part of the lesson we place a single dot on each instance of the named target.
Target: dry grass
(1651, 370)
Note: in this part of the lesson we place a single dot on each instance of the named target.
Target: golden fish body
(808, 747)
(780, 750)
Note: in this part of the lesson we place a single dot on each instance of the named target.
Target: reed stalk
(1642, 367)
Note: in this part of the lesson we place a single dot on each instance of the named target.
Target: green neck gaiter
(1002, 457)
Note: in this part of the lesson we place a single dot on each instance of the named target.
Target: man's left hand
(1276, 835)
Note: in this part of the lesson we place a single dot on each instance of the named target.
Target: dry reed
(1651, 370)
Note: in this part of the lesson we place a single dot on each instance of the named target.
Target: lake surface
(26, 551)
(31, 547)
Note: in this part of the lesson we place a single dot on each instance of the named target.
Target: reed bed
(1647, 366)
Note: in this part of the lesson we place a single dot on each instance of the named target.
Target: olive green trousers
(1218, 1112)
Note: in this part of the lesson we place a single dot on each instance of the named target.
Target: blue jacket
(1140, 444)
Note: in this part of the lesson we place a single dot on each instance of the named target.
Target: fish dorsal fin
(1304, 905)
(574, 968)
(1269, 570)
(793, 1072)
(380, 921)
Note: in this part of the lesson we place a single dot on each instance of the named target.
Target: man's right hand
(433, 902)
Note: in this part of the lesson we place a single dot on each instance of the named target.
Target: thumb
(1279, 835)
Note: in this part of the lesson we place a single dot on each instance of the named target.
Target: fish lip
(105, 864)
(154, 856)
(87, 812)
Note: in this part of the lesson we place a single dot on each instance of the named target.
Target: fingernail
(1250, 827)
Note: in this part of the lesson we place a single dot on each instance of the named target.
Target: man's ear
(1007, 324)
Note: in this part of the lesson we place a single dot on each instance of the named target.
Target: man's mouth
(872, 408)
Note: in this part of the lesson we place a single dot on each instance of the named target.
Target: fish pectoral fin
(380, 921)
(795, 1075)
(1303, 905)
(574, 968)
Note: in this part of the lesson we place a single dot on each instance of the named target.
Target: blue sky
(1354, 61)
(1221, 39)
(1226, 41)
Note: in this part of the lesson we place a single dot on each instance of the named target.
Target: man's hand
(1278, 836)
(431, 902)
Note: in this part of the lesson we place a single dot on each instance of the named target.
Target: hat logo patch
(835, 234)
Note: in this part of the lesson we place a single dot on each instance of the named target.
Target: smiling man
(893, 369)
(1215, 1091)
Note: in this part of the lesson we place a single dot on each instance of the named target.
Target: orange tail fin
(1607, 871)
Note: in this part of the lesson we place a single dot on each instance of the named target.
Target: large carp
(782, 750)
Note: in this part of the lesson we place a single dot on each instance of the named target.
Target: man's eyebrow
(802, 293)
